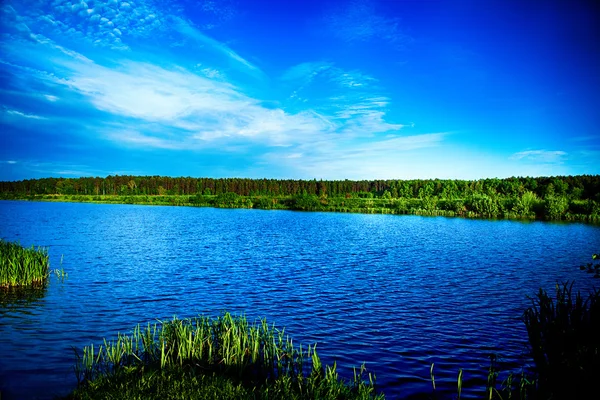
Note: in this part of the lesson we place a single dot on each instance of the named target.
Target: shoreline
(354, 205)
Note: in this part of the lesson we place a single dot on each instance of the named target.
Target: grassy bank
(229, 358)
(204, 358)
(21, 266)
(472, 207)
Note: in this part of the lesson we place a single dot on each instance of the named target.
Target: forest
(575, 198)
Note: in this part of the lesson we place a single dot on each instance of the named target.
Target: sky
(341, 89)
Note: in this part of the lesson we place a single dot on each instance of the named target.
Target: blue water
(396, 292)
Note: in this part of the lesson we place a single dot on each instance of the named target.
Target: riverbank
(474, 207)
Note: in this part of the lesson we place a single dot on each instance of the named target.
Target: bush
(555, 207)
(524, 205)
(306, 203)
(455, 205)
(484, 205)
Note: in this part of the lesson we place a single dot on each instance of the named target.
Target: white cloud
(337, 158)
(305, 72)
(22, 114)
(191, 32)
(543, 156)
(351, 99)
(198, 108)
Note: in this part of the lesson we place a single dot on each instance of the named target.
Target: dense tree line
(550, 198)
(580, 187)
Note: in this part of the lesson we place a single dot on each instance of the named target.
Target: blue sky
(352, 89)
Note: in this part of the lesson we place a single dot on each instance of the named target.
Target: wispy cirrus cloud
(361, 21)
(352, 99)
(541, 156)
(337, 159)
(16, 113)
(331, 119)
(191, 32)
(174, 107)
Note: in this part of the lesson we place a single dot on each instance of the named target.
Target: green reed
(21, 266)
(256, 355)
(518, 386)
(564, 334)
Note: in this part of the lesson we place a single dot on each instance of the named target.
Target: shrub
(555, 207)
(484, 205)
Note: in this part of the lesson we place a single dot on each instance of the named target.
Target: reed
(517, 386)
(564, 334)
(259, 357)
(21, 266)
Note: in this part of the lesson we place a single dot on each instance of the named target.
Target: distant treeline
(552, 198)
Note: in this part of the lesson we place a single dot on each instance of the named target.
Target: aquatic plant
(593, 267)
(239, 357)
(21, 266)
(515, 386)
(564, 335)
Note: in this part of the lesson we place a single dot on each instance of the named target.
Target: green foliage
(572, 198)
(429, 203)
(555, 207)
(484, 205)
(564, 334)
(22, 267)
(525, 203)
(592, 267)
(203, 358)
(264, 202)
(455, 205)
(228, 199)
(306, 203)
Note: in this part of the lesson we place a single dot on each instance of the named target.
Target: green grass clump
(564, 334)
(21, 266)
(200, 358)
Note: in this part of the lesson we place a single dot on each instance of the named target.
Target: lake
(395, 292)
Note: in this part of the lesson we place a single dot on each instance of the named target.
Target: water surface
(396, 292)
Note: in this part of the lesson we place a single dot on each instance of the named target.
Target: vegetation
(593, 267)
(22, 267)
(571, 198)
(564, 334)
(203, 358)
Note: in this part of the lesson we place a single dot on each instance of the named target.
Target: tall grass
(564, 334)
(515, 386)
(21, 266)
(255, 358)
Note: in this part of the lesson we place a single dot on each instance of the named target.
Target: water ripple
(397, 293)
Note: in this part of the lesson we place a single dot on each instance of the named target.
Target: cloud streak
(360, 21)
(543, 156)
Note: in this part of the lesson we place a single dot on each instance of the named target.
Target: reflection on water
(19, 299)
(396, 292)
